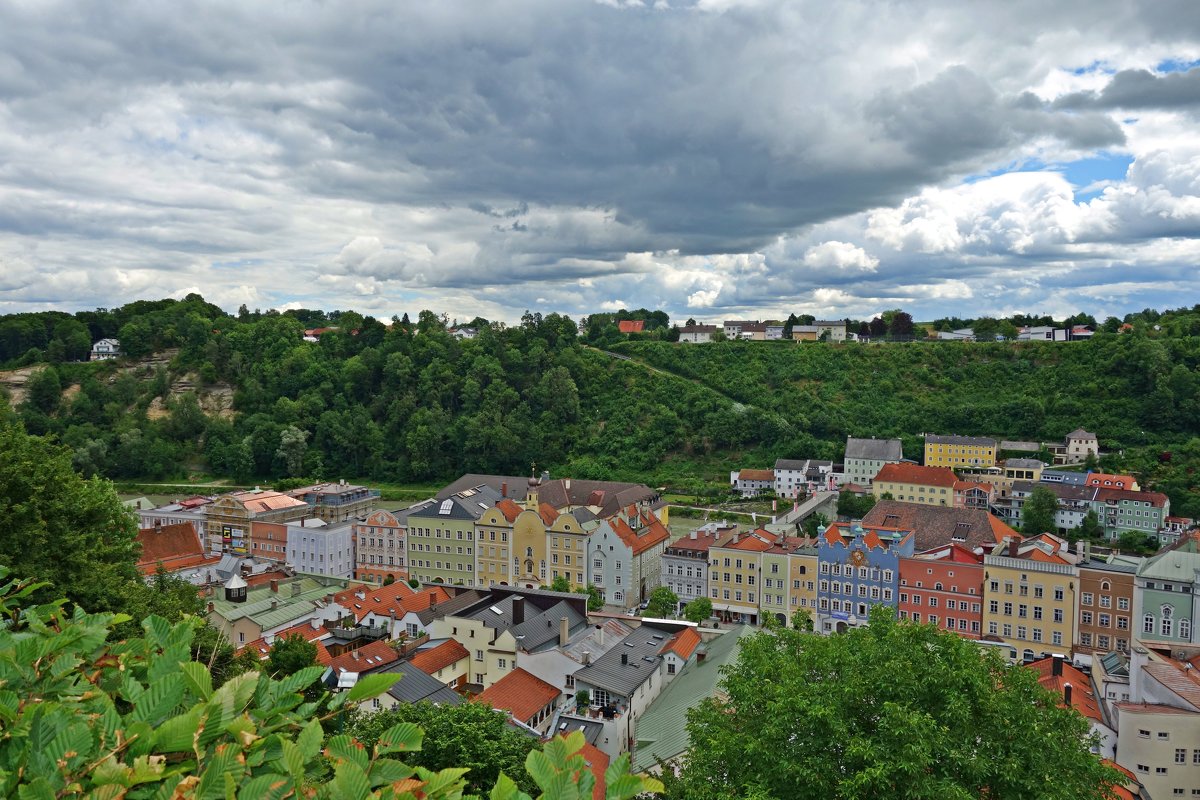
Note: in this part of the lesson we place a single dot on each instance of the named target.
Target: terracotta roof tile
(396, 598)
(374, 655)
(175, 546)
(509, 509)
(631, 325)
(915, 473)
(547, 513)
(756, 475)
(937, 526)
(521, 693)
(1082, 699)
(445, 654)
(682, 644)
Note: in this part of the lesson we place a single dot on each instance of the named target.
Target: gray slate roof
(451, 606)
(791, 463)
(559, 493)
(534, 633)
(417, 686)
(468, 503)
(640, 649)
(874, 449)
(971, 441)
(1023, 463)
(591, 729)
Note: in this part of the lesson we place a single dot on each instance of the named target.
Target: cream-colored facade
(1030, 604)
(566, 542)
(491, 657)
(733, 575)
(802, 589)
(914, 492)
(1160, 745)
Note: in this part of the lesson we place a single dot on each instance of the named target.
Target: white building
(797, 476)
(865, 457)
(106, 349)
(625, 556)
(317, 548)
(833, 330)
(697, 334)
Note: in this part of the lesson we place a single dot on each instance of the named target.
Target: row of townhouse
(481, 536)
(1118, 510)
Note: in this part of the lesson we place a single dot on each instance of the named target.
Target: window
(502, 663)
(1180, 755)
(1104, 620)
(1085, 617)
(479, 655)
(1164, 736)
(1148, 624)
(1058, 593)
(1086, 598)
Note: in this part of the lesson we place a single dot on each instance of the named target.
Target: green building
(441, 536)
(1166, 596)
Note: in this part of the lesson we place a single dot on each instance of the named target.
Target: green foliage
(1089, 528)
(852, 506)
(853, 716)
(698, 610)
(62, 529)
(663, 603)
(595, 599)
(1037, 515)
(468, 735)
(140, 719)
(560, 584)
(1138, 543)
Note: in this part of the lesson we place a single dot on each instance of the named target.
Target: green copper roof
(662, 730)
(1177, 564)
(294, 599)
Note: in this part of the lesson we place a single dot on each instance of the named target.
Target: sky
(711, 158)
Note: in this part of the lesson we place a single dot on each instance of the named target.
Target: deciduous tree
(894, 710)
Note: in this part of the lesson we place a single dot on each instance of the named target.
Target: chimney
(274, 585)
(600, 635)
(295, 590)
(354, 654)
(504, 488)
(692, 535)
(587, 658)
(1067, 693)
(624, 659)
(1056, 665)
(564, 631)
(316, 623)
(1012, 547)
(518, 610)
(567, 484)
(274, 604)
(211, 606)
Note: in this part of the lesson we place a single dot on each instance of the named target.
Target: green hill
(246, 397)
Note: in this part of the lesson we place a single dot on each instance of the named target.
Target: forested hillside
(404, 401)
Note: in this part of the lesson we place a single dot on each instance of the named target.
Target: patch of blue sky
(1096, 66)
(1175, 65)
(1088, 176)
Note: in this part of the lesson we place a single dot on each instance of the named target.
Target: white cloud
(840, 255)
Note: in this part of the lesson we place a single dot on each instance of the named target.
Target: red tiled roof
(1107, 479)
(547, 513)
(915, 473)
(1082, 699)
(370, 656)
(597, 763)
(631, 325)
(435, 658)
(753, 542)
(1173, 677)
(509, 509)
(396, 598)
(521, 693)
(756, 475)
(175, 546)
(682, 644)
(653, 534)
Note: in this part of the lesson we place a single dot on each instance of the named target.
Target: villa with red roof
(912, 483)
(448, 661)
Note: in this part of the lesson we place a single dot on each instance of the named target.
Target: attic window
(447, 505)
(496, 611)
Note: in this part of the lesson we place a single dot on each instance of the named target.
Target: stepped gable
(938, 526)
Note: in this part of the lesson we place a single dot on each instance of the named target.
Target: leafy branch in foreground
(80, 715)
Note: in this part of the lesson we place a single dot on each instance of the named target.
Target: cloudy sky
(712, 158)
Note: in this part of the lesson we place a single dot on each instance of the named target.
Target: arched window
(1105, 586)
(1167, 624)
(618, 596)
(938, 586)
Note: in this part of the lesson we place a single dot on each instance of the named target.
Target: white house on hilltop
(106, 349)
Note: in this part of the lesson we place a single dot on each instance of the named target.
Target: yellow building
(493, 544)
(735, 565)
(912, 483)
(1029, 596)
(566, 542)
(959, 451)
(802, 570)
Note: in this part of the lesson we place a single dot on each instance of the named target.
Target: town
(580, 605)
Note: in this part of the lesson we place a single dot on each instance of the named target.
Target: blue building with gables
(858, 568)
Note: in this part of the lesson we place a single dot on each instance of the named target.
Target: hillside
(246, 397)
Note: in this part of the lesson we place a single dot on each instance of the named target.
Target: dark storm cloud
(1140, 89)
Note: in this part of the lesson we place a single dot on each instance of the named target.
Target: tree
(841, 716)
(1039, 511)
(1137, 542)
(698, 610)
(293, 442)
(63, 529)
(814, 523)
(560, 584)
(802, 621)
(1089, 528)
(466, 735)
(140, 718)
(45, 390)
(289, 655)
(852, 506)
(663, 603)
(595, 599)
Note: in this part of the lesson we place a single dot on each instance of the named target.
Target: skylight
(447, 505)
